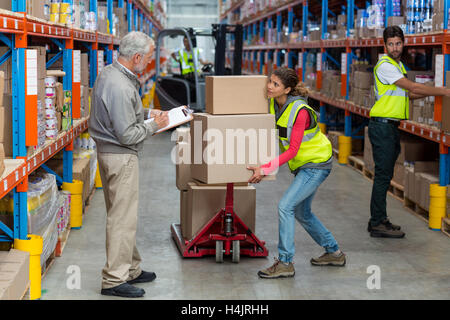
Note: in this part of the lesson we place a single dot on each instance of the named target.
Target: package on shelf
(85, 148)
(63, 213)
(331, 83)
(50, 238)
(102, 19)
(122, 26)
(2, 159)
(42, 198)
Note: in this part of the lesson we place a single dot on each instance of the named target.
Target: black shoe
(385, 231)
(124, 290)
(387, 223)
(143, 277)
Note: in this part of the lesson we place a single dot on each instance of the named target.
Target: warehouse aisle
(416, 267)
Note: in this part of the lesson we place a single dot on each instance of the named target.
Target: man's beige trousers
(120, 179)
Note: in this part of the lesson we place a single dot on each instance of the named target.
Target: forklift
(175, 90)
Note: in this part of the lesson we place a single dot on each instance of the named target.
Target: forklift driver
(186, 59)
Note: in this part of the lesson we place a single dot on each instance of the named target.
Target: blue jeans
(296, 204)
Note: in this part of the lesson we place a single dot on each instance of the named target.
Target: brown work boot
(330, 259)
(387, 223)
(385, 230)
(278, 270)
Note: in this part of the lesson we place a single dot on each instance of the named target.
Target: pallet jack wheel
(219, 251)
(236, 251)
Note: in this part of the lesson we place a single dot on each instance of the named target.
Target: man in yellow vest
(186, 58)
(392, 93)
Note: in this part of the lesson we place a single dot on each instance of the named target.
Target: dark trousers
(385, 140)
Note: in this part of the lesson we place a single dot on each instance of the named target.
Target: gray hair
(135, 42)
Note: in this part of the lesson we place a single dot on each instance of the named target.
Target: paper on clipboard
(177, 116)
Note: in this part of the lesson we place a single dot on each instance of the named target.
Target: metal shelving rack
(15, 29)
(256, 57)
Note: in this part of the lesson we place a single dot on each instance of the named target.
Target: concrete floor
(416, 267)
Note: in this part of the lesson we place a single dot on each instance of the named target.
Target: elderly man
(117, 125)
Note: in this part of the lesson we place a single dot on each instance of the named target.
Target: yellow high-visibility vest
(391, 100)
(315, 147)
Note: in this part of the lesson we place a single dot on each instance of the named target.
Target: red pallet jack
(224, 234)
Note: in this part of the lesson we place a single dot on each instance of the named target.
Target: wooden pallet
(368, 174)
(89, 198)
(26, 294)
(336, 153)
(446, 226)
(397, 191)
(356, 163)
(62, 240)
(48, 264)
(416, 209)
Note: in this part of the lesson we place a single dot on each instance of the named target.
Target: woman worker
(309, 156)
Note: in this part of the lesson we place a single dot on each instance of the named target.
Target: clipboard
(177, 117)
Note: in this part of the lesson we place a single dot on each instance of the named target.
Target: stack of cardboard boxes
(331, 84)
(445, 123)
(341, 27)
(236, 131)
(415, 168)
(14, 274)
(361, 85)
(438, 15)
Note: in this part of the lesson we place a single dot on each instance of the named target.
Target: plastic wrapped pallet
(50, 239)
(42, 198)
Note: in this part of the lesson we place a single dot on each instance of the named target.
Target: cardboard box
(183, 135)
(416, 195)
(399, 174)
(36, 9)
(416, 150)
(409, 182)
(236, 95)
(7, 125)
(183, 165)
(14, 274)
(183, 211)
(426, 166)
(85, 69)
(426, 179)
(6, 4)
(395, 21)
(363, 80)
(205, 201)
(81, 171)
(6, 67)
(2, 158)
(2, 87)
(42, 60)
(222, 147)
(59, 96)
(2, 124)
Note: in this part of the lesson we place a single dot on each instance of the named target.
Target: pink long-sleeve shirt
(301, 123)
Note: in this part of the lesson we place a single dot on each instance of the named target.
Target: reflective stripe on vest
(391, 100)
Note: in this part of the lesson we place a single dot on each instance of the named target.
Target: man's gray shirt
(116, 120)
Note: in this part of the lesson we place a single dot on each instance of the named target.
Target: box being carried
(236, 95)
(223, 146)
